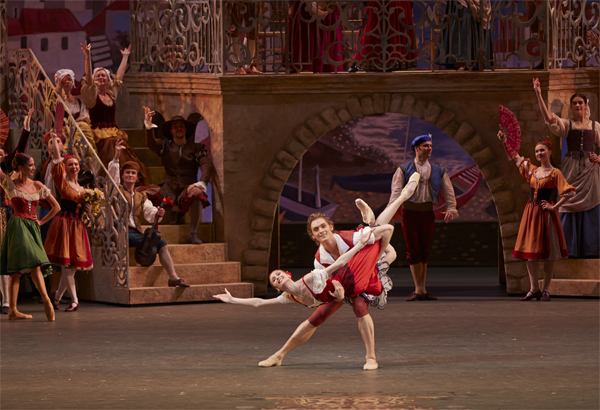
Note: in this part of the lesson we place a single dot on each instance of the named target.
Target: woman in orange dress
(67, 242)
(541, 237)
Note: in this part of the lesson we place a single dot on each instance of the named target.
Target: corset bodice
(24, 208)
(103, 116)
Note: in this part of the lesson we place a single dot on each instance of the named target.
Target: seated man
(181, 157)
(140, 204)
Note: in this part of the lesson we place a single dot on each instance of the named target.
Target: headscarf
(108, 74)
(60, 74)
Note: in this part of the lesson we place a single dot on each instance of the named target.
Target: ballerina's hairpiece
(289, 273)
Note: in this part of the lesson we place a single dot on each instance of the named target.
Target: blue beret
(419, 140)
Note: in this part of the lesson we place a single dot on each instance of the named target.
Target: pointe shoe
(371, 365)
(270, 362)
(546, 296)
(55, 303)
(49, 309)
(530, 295)
(20, 316)
(73, 307)
(177, 282)
(368, 216)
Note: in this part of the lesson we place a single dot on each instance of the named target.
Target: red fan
(4, 127)
(510, 132)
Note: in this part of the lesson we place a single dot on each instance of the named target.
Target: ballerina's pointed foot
(270, 362)
(16, 315)
(368, 216)
(49, 309)
(371, 365)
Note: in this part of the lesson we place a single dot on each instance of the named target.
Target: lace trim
(13, 192)
(569, 194)
(76, 188)
(542, 177)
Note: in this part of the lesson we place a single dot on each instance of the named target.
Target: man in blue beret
(417, 214)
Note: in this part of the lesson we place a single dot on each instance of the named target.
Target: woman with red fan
(581, 215)
(67, 243)
(541, 236)
(22, 243)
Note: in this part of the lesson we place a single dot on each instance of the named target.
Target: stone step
(180, 234)
(149, 158)
(195, 293)
(577, 269)
(185, 254)
(192, 274)
(574, 287)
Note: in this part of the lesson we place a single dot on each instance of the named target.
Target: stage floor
(475, 348)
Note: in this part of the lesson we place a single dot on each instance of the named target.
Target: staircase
(204, 267)
(576, 277)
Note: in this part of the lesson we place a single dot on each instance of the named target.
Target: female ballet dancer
(540, 235)
(317, 287)
(22, 243)
(67, 243)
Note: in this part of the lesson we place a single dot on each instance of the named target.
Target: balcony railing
(287, 36)
(29, 87)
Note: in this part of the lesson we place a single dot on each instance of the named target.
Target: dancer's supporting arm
(255, 302)
(365, 234)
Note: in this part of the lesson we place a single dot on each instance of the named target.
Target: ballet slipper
(371, 365)
(49, 309)
(368, 216)
(410, 187)
(270, 362)
(16, 315)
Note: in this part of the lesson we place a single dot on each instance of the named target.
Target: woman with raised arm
(581, 215)
(22, 243)
(65, 80)
(99, 91)
(541, 237)
(67, 243)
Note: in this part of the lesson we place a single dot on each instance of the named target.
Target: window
(65, 43)
(23, 42)
(44, 44)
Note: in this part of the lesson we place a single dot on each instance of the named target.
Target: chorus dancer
(581, 215)
(359, 276)
(22, 243)
(99, 91)
(65, 80)
(541, 237)
(67, 243)
(5, 208)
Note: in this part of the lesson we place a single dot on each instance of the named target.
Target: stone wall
(263, 124)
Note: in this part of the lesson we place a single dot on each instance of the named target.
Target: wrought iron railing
(29, 87)
(288, 36)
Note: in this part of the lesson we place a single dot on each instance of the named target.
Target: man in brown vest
(139, 204)
(181, 157)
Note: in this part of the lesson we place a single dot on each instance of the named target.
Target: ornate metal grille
(288, 36)
(30, 87)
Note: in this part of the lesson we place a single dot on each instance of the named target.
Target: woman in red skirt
(541, 238)
(67, 243)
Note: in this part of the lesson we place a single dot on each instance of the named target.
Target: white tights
(67, 281)
(4, 289)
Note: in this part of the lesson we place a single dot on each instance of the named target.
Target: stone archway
(486, 151)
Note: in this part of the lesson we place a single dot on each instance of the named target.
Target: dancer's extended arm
(365, 234)
(549, 118)
(255, 302)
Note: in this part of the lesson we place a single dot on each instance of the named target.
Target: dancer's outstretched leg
(301, 335)
(408, 191)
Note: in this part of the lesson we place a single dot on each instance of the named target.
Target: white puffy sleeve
(284, 298)
(44, 192)
(319, 279)
(356, 238)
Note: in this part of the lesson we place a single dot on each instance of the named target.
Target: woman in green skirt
(22, 248)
